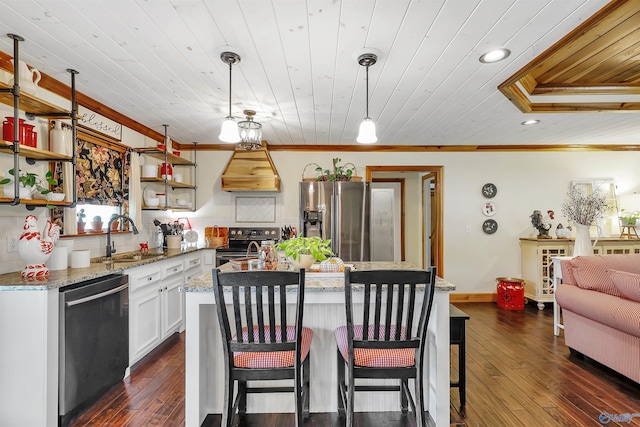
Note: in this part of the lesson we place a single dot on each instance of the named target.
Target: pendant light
(229, 132)
(250, 132)
(367, 131)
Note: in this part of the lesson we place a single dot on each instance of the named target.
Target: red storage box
(510, 293)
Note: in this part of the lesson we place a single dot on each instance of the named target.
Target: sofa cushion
(590, 272)
(627, 283)
(615, 312)
(567, 272)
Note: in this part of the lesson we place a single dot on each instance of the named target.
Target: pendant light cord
(230, 88)
(367, 91)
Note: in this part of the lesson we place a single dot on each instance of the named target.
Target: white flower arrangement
(582, 208)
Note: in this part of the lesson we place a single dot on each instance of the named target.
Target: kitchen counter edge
(315, 282)
(61, 278)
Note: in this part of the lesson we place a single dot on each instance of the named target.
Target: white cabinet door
(172, 306)
(144, 322)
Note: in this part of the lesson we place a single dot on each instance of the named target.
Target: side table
(457, 319)
(557, 281)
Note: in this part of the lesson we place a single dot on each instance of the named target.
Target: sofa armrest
(615, 312)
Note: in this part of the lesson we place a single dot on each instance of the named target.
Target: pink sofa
(600, 300)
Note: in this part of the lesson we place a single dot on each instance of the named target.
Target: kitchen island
(324, 311)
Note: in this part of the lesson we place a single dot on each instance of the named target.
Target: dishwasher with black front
(94, 341)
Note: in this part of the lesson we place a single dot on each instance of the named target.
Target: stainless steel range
(239, 240)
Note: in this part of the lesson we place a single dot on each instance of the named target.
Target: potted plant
(339, 173)
(96, 224)
(81, 215)
(628, 218)
(115, 224)
(303, 251)
(30, 182)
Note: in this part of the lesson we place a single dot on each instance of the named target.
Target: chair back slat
(387, 319)
(394, 319)
(376, 322)
(400, 310)
(283, 305)
(272, 313)
(248, 309)
(257, 309)
(410, 308)
(259, 313)
(236, 309)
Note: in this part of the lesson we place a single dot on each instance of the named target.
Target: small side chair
(258, 341)
(387, 341)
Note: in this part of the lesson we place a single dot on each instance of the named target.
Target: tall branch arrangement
(582, 208)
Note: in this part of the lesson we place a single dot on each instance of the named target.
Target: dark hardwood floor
(518, 374)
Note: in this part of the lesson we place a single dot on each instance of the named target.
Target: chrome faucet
(111, 250)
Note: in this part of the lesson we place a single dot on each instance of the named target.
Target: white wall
(525, 182)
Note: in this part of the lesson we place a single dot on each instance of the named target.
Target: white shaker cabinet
(156, 307)
(144, 311)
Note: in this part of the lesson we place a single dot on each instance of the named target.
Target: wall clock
(490, 226)
(489, 190)
(489, 209)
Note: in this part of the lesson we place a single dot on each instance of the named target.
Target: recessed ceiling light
(495, 56)
(530, 122)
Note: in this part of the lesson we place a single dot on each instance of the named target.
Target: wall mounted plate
(489, 190)
(489, 209)
(490, 226)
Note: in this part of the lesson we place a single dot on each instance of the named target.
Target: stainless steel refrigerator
(338, 211)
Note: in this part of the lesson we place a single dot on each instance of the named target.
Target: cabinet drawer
(139, 280)
(192, 262)
(171, 267)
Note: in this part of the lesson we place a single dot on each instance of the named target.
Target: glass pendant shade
(367, 132)
(250, 132)
(229, 132)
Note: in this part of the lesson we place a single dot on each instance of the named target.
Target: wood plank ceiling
(158, 62)
(599, 57)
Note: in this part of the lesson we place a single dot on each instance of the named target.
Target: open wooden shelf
(36, 202)
(168, 208)
(35, 153)
(173, 184)
(31, 104)
(171, 158)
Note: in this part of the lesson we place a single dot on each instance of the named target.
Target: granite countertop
(317, 282)
(97, 268)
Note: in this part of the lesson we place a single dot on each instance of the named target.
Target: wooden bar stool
(629, 231)
(259, 343)
(386, 341)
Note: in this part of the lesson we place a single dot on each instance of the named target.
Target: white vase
(582, 244)
(59, 139)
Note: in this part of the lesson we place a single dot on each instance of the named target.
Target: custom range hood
(251, 170)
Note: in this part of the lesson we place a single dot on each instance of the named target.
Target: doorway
(387, 220)
(434, 175)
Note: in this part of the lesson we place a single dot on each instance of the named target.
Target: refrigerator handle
(337, 223)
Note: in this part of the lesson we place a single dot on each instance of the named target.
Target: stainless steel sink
(128, 258)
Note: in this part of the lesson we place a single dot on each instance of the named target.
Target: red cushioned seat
(272, 359)
(376, 358)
